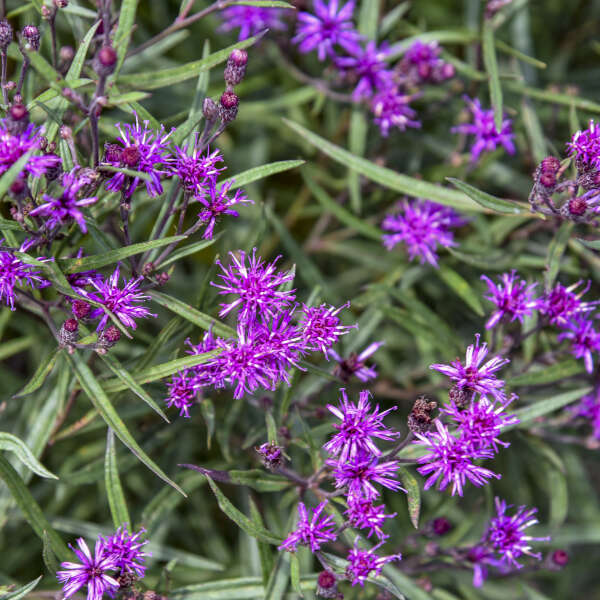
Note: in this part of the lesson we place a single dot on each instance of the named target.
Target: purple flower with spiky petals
(360, 472)
(126, 549)
(141, 149)
(589, 408)
(483, 129)
(355, 364)
(15, 145)
(422, 63)
(310, 531)
(251, 20)
(15, 273)
(390, 108)
(481, 557)
(363, 514)
(321, 327)
(368, 64)
(66, 208)
(91, 572)
(481, 422)
(473, 376)
(585, 340)
(205, 373)
(514, 299)
(183, 390)
(507, 534)
(193, 168)
(216, 202)
(562, 303)
(585, 147)
(365, 563)
(421, 226)
(327, 28)
(449, 460)
(256, 286)
(122, 302)
(357, 428)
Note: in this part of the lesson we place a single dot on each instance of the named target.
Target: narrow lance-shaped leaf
(413, 495)
(12, 443)
(44, 369)
(486, 200)
(258, 173)
(114, 490)
(491, 66)
(22, 591)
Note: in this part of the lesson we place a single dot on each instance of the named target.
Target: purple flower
(216, 202)
(514, 299)
(474, 376)
(326, 29)
(585, 147)
(320, 327)
(203, 374)
(481, 422)
(363, 514)
(61, 211)
(311, 532)
(355, 364)
(422, 226)
(91, 572)
(271, 454)
(194, 170)
(140, 149)
(450, 461)
(365, 563)
(360, 472)
(422, 63)
(13, 146)
(390, 109)
(183, 390)
(15, 273)
(480, 557)
(126, 549)
(251, 20)
(256, 286)
(589, 408)
(507, 534)
(122, 302)
(369, 66)
(562, 303)
(487, 137)
(357, 428)
(585, 340)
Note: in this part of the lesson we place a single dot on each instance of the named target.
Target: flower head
(310, 531)
(589, 408)
(365, 563)
(421, 226)
(422, 63)
(514, 299)
(327, 28)
(321, 327)
(473, 376)
(363, 514)
(271, 454)
(15, 273)
(91, 572)
(357, 428)
(183, 390)
(585, 147)
(585, 340)
(483, 129)
(355, 364)
(562, 303)
(251, 20)
(126, 549)
(390, 108)
(194, 169)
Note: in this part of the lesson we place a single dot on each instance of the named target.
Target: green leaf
(556, 372)
(559, 497)
(189, 249)
(413, 496)
(486, 200)
(263, 3)
(15, 346)
(241, 520)
(31, 510)
(278, 581)
(593, 244)
(405, 584)
(48, 556)
(491, 66)
(556, 250)
(243, 588)
(384, 176)
(256, 479)
(114, 490)
(102, 404)
(44, 369)
(128, 172)
(22, 591)
(295, 574)
(122, 37)
(11, 443)
(461, 287)
(207, 410)
(257, 173)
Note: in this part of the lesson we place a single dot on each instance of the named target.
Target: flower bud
(560, 558)
(46, 13)
(271, 454)
(577, 206)
(236, 67)
(107, 339)
(327, 585)
(209, 109)
(163, 278)
(441, 526)
(228, 107)
(419, 419)
(66, 53)
(81, 309)
(61, 3)
(68, 333)
(6, 34)
(18, 189)
(17, 118)
(105, 60)
(31, 35)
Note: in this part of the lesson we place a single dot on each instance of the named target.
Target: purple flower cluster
(585, 147)
(251, 20)
(421, 226)
(311, 531)
(270, 338)
(119, 553)
(355, 364)
(422, 64)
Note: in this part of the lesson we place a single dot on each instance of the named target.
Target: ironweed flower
(473, 375)
(355, 364)
(256, 286)
(328, 27)
(585, 147)
(365, 563)
(585, 340)
(514, 299)
(321, 327)
(183, 390)
(562, 303)
(507, 534)
(92, 572)
(141, 149)
(450, 461)
(483, 129)
(251, 20)
(421, 226)
(357, 428)
(271, 454)
(126, 549)
(310, 531)
(589, 408)
(390, 108)
(15, 273)
(194, 169)
(363, 514)
(422, 64)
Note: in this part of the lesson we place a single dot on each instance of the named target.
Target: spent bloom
(90, 571)
(14, 273)
(321, 327)
(585, 147)
(474, 376)
(310, 531)
(355, 364)
(562, 303)
(251, 20)
(328, 27)
(585, 340)
(507, 534)
(359, 424)
(193, 168)
(363, 514)
(365, 563)
(390, 108)
(421, 226)
(483, 129)
(126, 549)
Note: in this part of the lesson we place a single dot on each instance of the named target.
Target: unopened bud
(6, 34)
(209, 109)
(18, 189)
(577, 206)
(236, 67)
(31, 35)
(163, 278)
(61, 3)
(81, 309)
(327, 585)
(18, 118)
(560, 558)
(46, 12)
(105, 61)
(441, 526)
(107, 339)
(66, 53)
(148, 269)
(228, 107)
(68, 333)
(66, 133)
